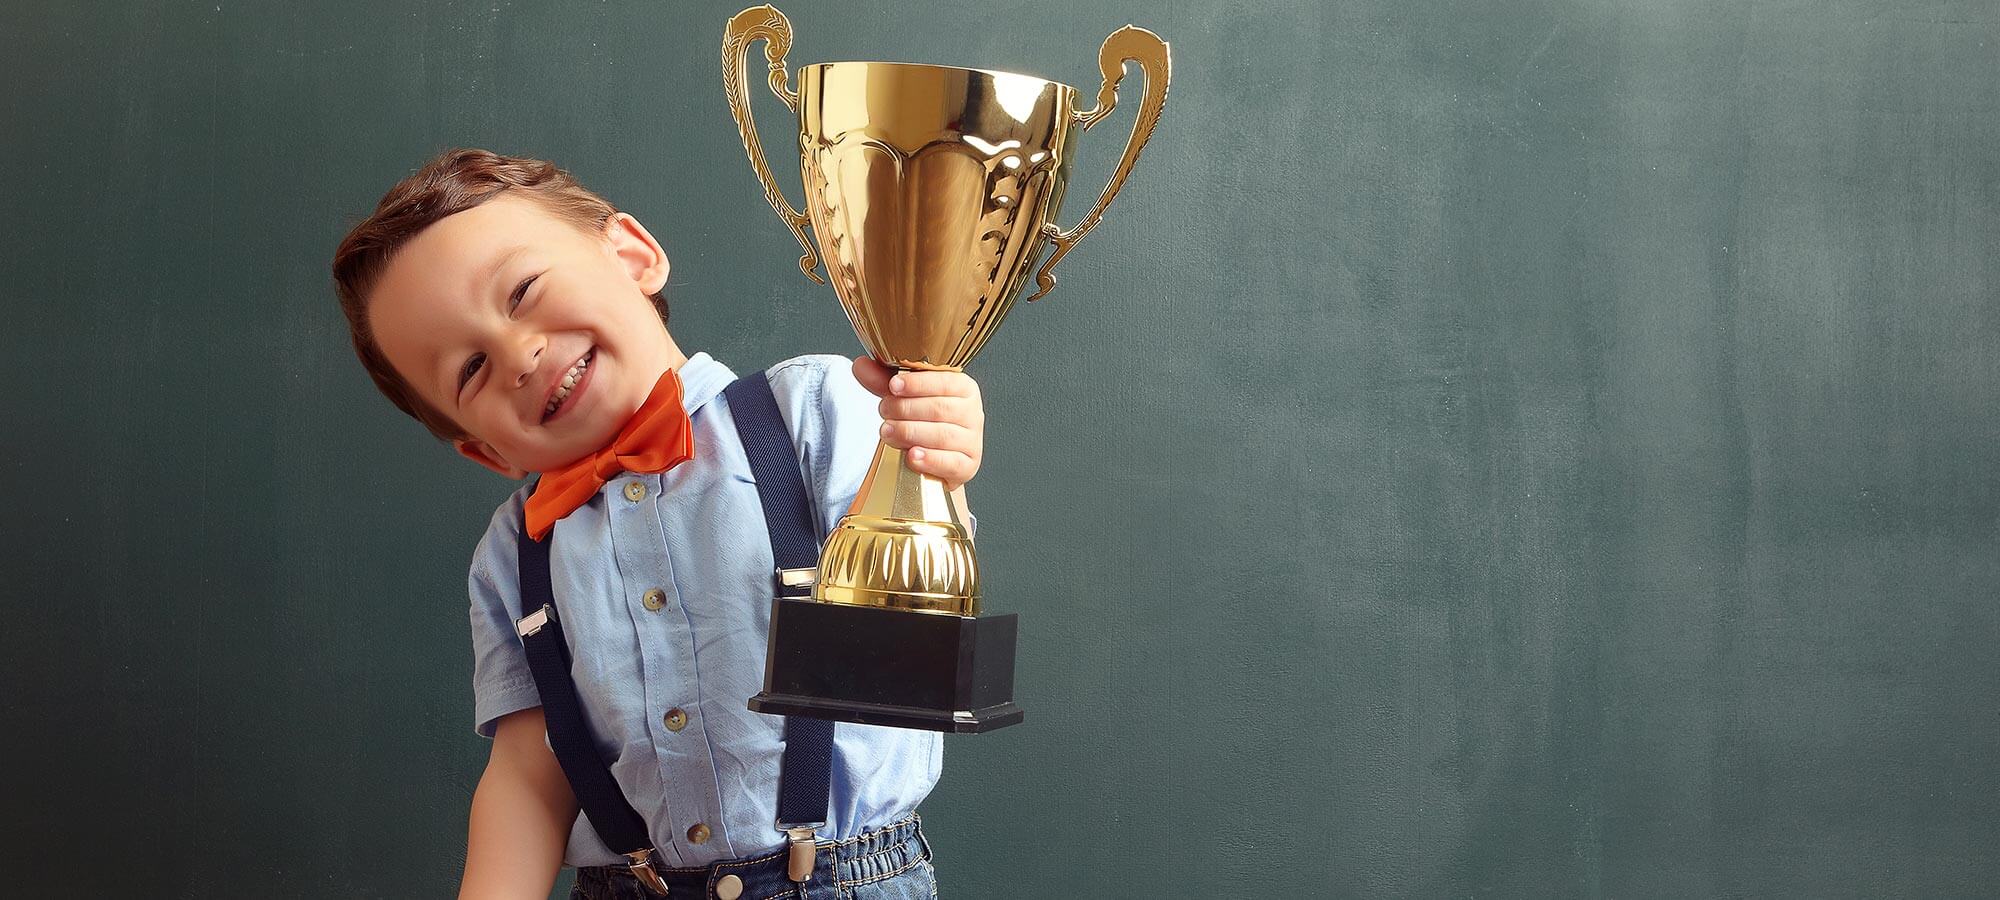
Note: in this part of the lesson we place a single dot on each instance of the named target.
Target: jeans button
(729, 887)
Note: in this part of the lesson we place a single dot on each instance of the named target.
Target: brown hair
(457, 180)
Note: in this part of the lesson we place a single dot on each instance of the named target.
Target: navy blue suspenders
(803, 781)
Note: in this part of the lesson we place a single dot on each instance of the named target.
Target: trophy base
(874, 666)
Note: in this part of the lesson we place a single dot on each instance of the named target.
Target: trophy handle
(1145, 48)
(770, 25)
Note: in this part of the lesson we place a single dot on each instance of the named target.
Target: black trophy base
(889, 667)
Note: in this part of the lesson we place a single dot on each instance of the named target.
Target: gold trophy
(932, 191)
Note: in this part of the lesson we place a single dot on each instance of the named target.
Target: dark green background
(1502, 449)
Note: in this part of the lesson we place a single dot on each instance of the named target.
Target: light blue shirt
(695, 534)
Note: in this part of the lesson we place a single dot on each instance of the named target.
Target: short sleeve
(501, 682)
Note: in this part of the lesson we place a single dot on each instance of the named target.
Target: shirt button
(654, 599)
(698, 833)
(728, 887)
(635, 491)
(677, 719)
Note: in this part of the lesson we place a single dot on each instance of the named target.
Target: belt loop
(917, 826)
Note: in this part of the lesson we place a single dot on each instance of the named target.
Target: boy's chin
(552, 460)
(546, 458)
(519, 465)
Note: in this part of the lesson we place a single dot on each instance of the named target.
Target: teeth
(569, 381)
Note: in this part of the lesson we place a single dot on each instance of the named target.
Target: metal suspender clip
(797, 583)
(642, 869)
(799, 865)
(532, 623)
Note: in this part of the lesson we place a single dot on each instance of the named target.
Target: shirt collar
(701, 379)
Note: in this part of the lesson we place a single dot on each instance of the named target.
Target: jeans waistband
(869, 856)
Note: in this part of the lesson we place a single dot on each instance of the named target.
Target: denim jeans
(889, 863)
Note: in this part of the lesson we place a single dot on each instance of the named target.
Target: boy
(520, 317)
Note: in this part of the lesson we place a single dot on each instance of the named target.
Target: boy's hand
(936, 416)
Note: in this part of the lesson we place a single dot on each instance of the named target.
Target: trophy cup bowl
(932, 191)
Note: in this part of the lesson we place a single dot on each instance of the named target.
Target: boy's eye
(520, 291)
(471, 367)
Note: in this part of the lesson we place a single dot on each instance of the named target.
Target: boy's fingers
(935, 435)
(873, 375)
(934, 384)
(960, 410)
(949, 466)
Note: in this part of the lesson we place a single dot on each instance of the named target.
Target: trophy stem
(902, 545)
(893, 490)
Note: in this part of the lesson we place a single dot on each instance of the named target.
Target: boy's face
(486, 311)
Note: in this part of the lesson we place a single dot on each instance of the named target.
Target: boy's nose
(534, 362)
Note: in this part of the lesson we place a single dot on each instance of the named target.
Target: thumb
(873, 375)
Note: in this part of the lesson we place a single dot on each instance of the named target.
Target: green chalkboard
(1534, 449)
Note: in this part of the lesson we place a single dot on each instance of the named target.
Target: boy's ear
(634, 246)
(482, 453)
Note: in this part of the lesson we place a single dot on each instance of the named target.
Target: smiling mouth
(570, 382)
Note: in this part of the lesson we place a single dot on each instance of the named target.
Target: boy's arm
(521, 815)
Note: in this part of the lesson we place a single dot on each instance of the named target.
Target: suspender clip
(799, 866)
(797, 583)
(533, 623)
(642, 869)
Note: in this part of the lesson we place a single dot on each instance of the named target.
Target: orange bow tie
(655, 439)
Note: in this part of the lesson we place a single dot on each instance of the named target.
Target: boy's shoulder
(807, 371)
(503, 530)
(815, 390)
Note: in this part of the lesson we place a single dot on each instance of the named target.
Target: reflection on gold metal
(933, 191)
(901, 545)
